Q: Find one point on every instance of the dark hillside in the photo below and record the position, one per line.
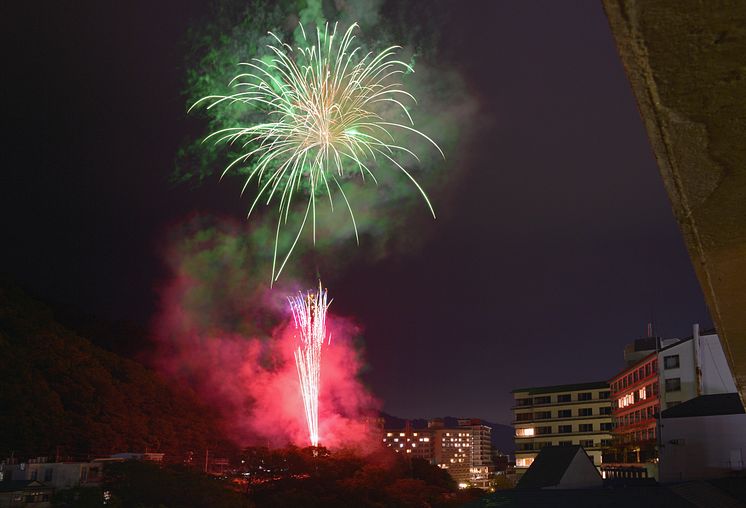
(57, 389)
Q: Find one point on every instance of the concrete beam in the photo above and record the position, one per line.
(686, 62)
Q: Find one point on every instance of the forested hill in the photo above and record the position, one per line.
(57, 389)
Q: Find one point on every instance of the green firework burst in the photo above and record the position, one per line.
(324, 110)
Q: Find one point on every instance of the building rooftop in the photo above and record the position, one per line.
(707, 405)
(18, 485)
(647, 496)
(548, 467)
(551, 465)
(564, 388)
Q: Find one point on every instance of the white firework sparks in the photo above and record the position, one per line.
(323, 107)
(309, 315)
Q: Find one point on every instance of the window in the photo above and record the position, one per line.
(524, 417)
(606, 426)
(585, 411)
(671, 362)
(634, 377)
(673, 384)
(524, 447)
(524, 432)
(564, 413)
(604, 410)
(585, 396)
(585, 427)
(647, 370)
(586, 443)
(524, 462)
(641, 373)
(566, 397)
(544, 430)
(543, 415)
(565, 443)
(543, 444)
(606, 442)
(48, 474)
(523, 402)
(655, 365)
(543, 400)
(604, 395)
(564, 429)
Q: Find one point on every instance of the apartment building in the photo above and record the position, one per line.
(464, 450)
(660, 374)
(416, 443)
(563, 415)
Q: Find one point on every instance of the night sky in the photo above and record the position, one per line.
(557, 245)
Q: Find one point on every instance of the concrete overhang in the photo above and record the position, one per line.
(686, 62)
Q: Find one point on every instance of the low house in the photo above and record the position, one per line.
(561, 467)
(703, 438)
(26, 493)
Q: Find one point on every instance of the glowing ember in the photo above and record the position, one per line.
(309, 314)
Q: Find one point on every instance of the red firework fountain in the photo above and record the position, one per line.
(309, 315)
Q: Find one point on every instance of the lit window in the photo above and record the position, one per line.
(524, 432)
(401, 434)
(426, 439)
(524, 462)
(389, 434)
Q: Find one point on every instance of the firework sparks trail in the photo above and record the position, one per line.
(309, 315)
(322, 105)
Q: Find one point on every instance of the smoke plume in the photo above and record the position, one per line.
(230, 340)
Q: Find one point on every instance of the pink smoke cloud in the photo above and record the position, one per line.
(231, 339)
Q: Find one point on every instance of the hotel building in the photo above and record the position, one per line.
(463, 450)
(660, 374)
(564, 415)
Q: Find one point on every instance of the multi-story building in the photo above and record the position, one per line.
(563, 415)
(463, 450)
(635, 391)
(417, 443)
(660, 374)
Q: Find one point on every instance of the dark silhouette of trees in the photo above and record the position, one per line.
(66, 396)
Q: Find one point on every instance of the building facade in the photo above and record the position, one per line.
(660, 374)
(563, 415)
(637, 404)
(704, 437)
(464, 450)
